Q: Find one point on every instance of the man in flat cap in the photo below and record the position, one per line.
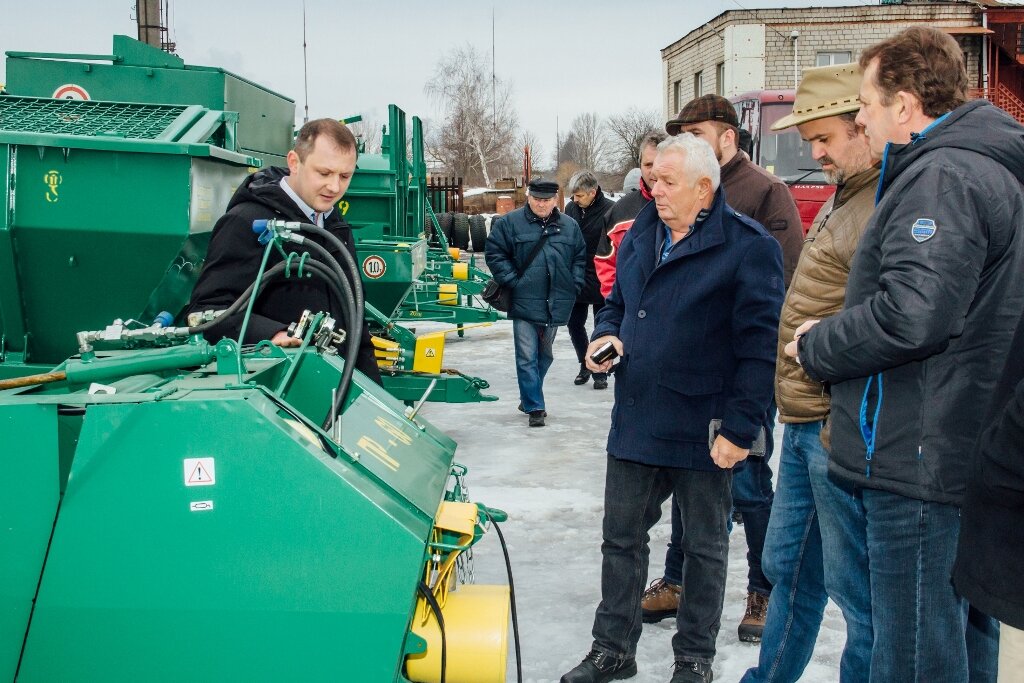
(806, 523)
(753, 191)
(539, 253)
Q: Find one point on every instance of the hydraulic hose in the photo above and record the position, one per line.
(428, 595)
(512, 595)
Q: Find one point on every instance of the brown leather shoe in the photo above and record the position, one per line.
(752, 626)
(660, 601)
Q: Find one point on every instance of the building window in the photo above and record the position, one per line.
(830, 58)
(720, 79)
(677, 95)
(698, 84)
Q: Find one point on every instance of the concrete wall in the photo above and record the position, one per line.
(739, 37)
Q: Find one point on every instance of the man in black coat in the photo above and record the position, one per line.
(990, 557)
(320, 168)
(589, 207)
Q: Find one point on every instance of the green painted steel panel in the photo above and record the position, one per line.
(389, 269)
(304, 568)
(29, 493)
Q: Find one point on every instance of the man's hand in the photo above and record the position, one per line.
(595, 345)
(726, 454)
(282, 338)
(791, 347)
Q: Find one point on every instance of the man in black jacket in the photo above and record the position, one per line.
(935, 291)
(589, 207)
(320, 168)
(990, 558)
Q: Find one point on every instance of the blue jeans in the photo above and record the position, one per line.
(808, 507)
(752, 497)
(533, 358)
(633, 497)
(920, 624)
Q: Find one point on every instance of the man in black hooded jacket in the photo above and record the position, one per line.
(935, 291)
(320, 168)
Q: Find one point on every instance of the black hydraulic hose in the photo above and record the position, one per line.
(428, 595)
(512, 596)
(353, 325)
(355, 329)
(335, 280)
(239, 302)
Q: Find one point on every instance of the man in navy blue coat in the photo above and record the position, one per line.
(544, 289)
(694, 317)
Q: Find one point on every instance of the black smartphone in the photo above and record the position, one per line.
(604, 353)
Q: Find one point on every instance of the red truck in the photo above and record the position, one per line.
(783, 153)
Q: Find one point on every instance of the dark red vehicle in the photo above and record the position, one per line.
(783, 153)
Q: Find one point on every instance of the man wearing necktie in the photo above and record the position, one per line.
(320, 168)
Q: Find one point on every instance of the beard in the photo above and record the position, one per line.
(837, 176)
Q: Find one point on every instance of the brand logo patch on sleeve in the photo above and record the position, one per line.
(923, 229)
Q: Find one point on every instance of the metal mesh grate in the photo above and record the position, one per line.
(77, 117)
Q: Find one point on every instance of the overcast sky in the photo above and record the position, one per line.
(562, 58)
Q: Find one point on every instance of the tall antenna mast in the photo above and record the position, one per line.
(494, 79)
(305, 71)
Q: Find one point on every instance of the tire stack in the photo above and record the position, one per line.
(460, 231)
(478, 232)
(445, 221)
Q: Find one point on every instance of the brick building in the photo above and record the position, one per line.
(767, 49)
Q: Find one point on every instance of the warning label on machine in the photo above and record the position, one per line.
(200, 472)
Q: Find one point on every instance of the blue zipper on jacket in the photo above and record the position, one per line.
(869, 432)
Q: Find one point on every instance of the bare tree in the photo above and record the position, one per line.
(585, 144)
(369, 131)
(625, 133)
(478, 128)
(529, 139)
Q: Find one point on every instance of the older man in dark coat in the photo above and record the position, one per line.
(539, 253)
(693, 314)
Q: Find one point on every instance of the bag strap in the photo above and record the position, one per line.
(533, 254)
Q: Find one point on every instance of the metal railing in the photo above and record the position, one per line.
(1002, 97)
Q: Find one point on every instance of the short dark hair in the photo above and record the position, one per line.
(336, 131)
(850, 119)
(923, 61)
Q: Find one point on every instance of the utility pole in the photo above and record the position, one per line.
(305, 70)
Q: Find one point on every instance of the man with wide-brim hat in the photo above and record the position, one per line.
(753, 191)
(811, 512)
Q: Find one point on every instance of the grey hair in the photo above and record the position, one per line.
(582, 181)
(653, 139)
(700, 158)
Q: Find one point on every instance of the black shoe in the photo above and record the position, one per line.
(521, 409)
(692, 672)
(600, 381)
(583, 376)
(737, 517)
(601, 667)
(537, 418)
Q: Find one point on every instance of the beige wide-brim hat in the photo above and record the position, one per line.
(824, 91)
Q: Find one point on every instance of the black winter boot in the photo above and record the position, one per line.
(583, 376)
(692, 672)
(601, 667)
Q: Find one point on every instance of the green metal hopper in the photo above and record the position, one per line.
(107, 207)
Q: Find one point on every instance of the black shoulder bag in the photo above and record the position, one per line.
(500, 296)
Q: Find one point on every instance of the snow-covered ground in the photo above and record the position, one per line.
(551, 481)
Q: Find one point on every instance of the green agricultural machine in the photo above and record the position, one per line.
(403, 276)
(175, 510)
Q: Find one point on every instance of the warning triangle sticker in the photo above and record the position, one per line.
(200, 472)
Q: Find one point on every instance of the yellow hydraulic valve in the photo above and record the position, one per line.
(386, 351)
